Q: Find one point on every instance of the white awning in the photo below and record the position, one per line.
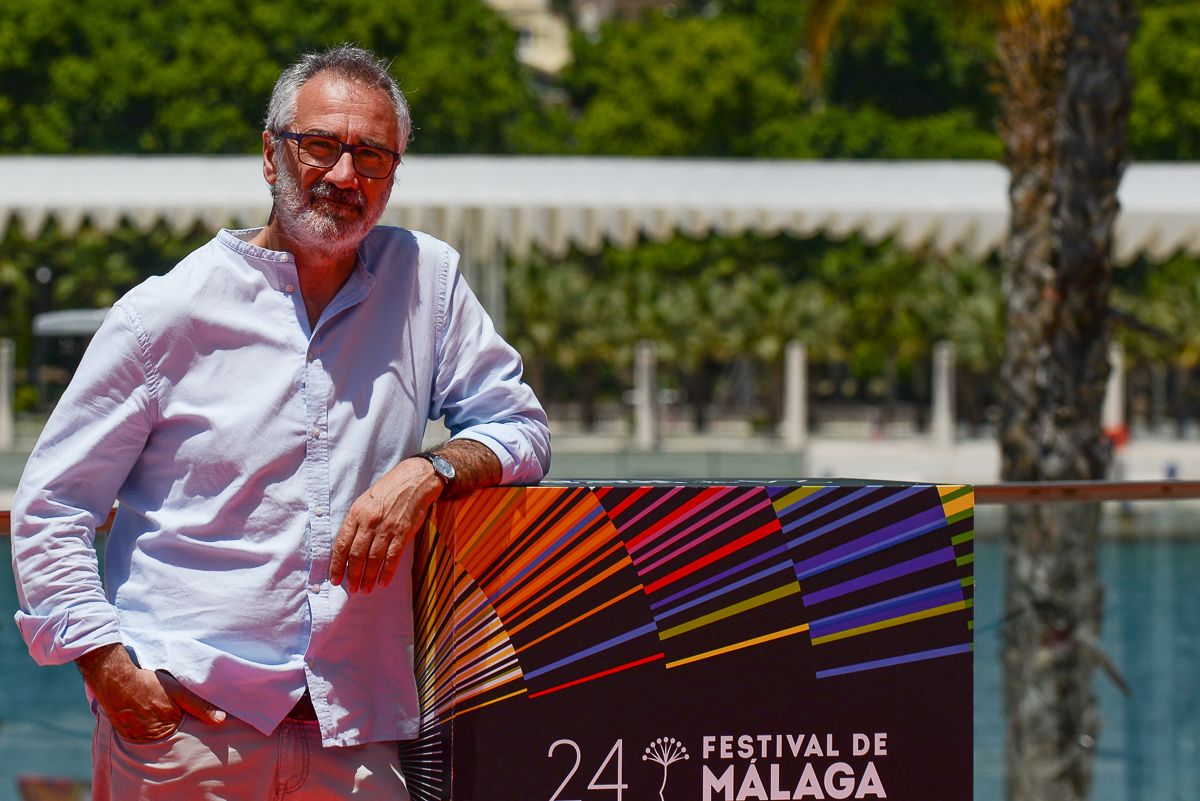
(486, 205)
(69, 322)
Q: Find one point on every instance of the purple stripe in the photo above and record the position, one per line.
(899, 599)
(726, 589)
(725, 524)
(647, 511)
(922, 523)
(827, 508)
(595, 649)
(855, 515)
(724, 574)
(807, 499)
(919, 656)
(918, 564)
(672, 525)
(875, 614)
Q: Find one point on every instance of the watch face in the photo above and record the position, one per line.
(443, 467)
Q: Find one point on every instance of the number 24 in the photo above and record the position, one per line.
(617, 752)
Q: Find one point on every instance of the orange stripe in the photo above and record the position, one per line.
(573, 576)
(584, 616)
(566, 568)
(489, 703)
(519, 594)
(574, 594)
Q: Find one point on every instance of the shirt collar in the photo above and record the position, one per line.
(238, 239)
(280, 266)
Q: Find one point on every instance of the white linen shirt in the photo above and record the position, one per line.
(235, 440)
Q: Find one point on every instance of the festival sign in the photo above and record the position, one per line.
(696, 642)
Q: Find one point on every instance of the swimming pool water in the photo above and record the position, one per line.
(1149, 748)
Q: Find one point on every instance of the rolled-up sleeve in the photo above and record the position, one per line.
(478, 385)
(90, 443)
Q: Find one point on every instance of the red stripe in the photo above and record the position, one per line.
(704, 498)
(623, 505)
(600, 675)
(720, 553)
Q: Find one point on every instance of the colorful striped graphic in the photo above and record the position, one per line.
(529, 593)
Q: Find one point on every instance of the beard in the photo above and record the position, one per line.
(329, 221)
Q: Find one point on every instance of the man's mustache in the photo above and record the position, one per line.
(327, 191)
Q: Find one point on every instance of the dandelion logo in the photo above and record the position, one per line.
(666, 751)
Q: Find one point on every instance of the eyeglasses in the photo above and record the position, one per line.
(324, 151)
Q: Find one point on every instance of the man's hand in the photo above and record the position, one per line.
(141, 705)
(367, 550)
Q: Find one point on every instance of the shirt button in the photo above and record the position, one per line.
(315, 589)
(319, 511)
(316, 433)
(289, 289)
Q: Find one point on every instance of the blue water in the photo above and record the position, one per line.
(1149, 749)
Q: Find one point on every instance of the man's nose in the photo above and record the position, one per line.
(342, 173)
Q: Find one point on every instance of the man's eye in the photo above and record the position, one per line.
(371, 156)
(322, 148)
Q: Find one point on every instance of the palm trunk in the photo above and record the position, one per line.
(1066, 88)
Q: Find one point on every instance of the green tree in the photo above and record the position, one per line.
(728, 86)
(686, 87)
(1065, 89)
(1165, 61)
(136, 77)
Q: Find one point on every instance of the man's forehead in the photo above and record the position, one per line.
(328, 93)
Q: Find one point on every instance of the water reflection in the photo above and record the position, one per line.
(1149, 747)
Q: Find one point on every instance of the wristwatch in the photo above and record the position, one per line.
(441, 466)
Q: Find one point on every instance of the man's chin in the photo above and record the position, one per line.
(342, 211)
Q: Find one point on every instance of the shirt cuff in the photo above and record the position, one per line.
(66, 636)
(520, 461)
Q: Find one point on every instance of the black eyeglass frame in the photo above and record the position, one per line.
(345, 148)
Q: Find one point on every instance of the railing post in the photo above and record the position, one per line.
(942, 425)
(7, 391)
(645, 390)
(795, 396)
(1113, 415)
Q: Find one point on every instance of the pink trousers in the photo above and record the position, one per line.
(235, 762)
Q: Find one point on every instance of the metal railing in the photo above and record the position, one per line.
(1002, 494)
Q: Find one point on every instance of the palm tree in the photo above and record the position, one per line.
(1065, 87)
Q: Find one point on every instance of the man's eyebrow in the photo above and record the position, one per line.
(365, 141)
(375, 143)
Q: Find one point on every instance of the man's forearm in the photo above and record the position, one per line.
(106, 663)
(475, 465)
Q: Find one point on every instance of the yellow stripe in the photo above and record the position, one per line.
(957, 606)
(960, 504)
(948, 489)
(730, 611)
(784, 501)
(521, 691)
(803, 627)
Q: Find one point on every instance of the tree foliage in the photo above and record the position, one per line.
(662, 87)
(139, 77)
(712, 303)
(1165, 60)
(906, 79)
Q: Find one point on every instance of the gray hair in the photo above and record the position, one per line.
(346, 61)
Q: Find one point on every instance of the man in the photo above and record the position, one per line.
(258, 414)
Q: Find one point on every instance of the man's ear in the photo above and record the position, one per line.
(270, 168)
